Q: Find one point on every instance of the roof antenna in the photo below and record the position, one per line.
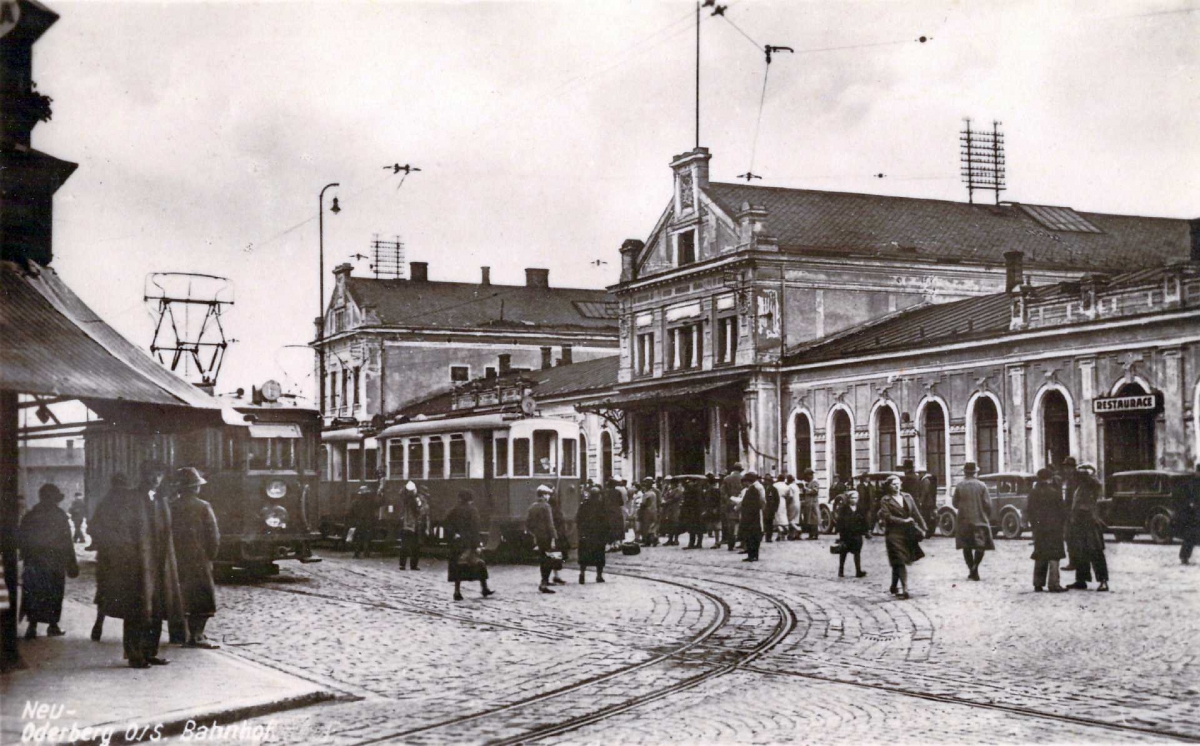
(748, 176)
(982, 156)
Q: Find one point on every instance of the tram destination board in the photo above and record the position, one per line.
(1119, 404)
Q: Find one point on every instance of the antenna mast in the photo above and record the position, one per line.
(387, 258)
(697, 74)
(982, 157)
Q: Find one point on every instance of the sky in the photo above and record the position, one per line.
(204, 131)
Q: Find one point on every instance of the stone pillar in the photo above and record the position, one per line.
(663, 464)
(1172, 452)
(712, 458)
(1089, 451)
(1018, 450)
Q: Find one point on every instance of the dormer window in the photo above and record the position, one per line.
(685, 248)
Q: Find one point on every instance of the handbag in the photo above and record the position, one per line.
(837, 548)
(554, 560)
(470, 559)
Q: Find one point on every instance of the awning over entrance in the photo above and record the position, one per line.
(53, 344)
(667, 393)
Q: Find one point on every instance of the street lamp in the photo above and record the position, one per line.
(321, 289)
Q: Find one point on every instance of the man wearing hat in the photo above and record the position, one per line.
(750, 517)
(974, 533)
(923, 489)
(1069, 480)
(363, 515)
(413, 512)
(1048, 518)
(44, 538)
(731, 488)
(197, 539)
(539, 521)
(1085, 530)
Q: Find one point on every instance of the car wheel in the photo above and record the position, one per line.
(824, 520)
(1010, 525)
(1160, 528)
(947, 522)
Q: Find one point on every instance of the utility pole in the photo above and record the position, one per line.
(697, 74)
(321, 290)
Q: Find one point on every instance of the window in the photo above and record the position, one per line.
(885, 438)
(543, 451)
(520, 457)
(416, 459)
(685, 247)
(803, 445)
(345, 384)
(583, 458)
(395, 459)
(458, 456)
(726, 339)
(370, 463)
(606, 455)
(260, 452)
(281, 453)
(460, 373)
(643, 363)
(501, 457)
(843, 445)
(323, 465)
(569, 454)
(437, 458)
(357, 381)
(354, 463)
(333, 390)
(987, 440)
(935, 442)
(684, 347)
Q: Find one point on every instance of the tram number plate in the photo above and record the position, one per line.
(1124, 404)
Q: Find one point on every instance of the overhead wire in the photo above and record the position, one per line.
(252, 246)
(762, 99)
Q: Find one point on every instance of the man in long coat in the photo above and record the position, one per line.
(974, 533)
(751, 515)
(1186, 524)
(731, 488)
(1048, 518)
(142, 577)
(1085, 531)
(44, 538)
(539, 522)
(413, 514)
(614, 509)
(197, 540)
(591, 521)
(648, 514)
(691, 512)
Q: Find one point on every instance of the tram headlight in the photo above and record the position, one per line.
(276, 489)
(275, 516)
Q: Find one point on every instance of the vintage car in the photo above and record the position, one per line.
(1010, 493)
(1141, 502)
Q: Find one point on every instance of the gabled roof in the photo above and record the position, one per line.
(52, 343)
(564, 380)
(925, 229)
(461, 305)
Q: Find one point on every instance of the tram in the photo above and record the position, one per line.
(500, 458)
(260, 465)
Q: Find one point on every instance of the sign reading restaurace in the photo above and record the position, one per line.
(1124, 404)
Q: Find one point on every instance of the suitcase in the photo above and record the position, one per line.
(631, 548)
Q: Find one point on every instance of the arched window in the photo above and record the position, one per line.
(1129, 436)
(987, 436)
(843, 445)
(885, 438)
(934, 436)
(1056, 428)
(583, 456)
(606, 455)
(803, 445)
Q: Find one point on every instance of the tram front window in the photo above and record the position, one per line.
(520, 448)
(568, 457)
(544, 451)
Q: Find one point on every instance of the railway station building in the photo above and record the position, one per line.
(742, 293)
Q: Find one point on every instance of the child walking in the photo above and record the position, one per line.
(852, 526)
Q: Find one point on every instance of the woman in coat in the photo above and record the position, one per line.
(462, 534)
(1085, 531)
(614, 509)
(903, 527)
(99, 535)
(49, 554)
(592, 523)
(194, 526)
(648, 514)
(1048, 518)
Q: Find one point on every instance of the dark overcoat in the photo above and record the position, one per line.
(539, 521)
(462, 533)
(1186, 523)
(754, 502)
(1048, 518)
(903, 546)
(1085, 532)
(614, 509)
(141, 574)
(691, 509)
(45, 541)
(973, 503)
(197, 540)
(591, 521)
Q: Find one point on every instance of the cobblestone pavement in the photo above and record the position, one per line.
(696, 646)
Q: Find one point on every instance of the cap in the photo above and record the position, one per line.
(1045, 474)
(544, 489)
(365, 490)
(410, 486)
(737, 466)
(189, 476)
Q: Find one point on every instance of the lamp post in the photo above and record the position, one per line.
(321, 289)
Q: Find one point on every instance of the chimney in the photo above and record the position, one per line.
(485, 275)
(505, 363)
(418, 271)
(629, 253)
(343, 269)
(547, 358)
(567, 355)
(750, 220)
(537, 278)
(1014, 269)
(695, 161)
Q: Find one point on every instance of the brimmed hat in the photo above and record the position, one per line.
(410, 486)
(737, 465)
(1069, 461)
(970, 467)
(365, 490)
(749, 476)
(189, 476)
(544, 489)
(50, 491)
(1089, 468)
(908, 464)
(808, 472)
(1045, 474)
